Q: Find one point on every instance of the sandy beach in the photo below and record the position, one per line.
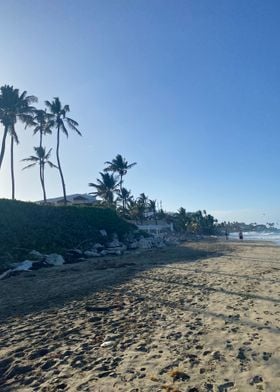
(201, 317)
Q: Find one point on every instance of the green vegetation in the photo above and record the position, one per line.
(28, 226)
(111, 185)
(198, 222)
(111, 193)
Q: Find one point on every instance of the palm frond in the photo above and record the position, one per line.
(131, 165)
(28, 166)
(14, 136)
(48, 154)
(52, 165)
(36, 129)
(64, 130)
(27, 119)
(73, 125)
(72, 122)
(31, 99)
(48, 104)
(32, 158)
(23, 95)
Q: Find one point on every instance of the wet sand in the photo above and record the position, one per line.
(200, 317)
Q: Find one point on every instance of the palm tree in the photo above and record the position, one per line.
(137, 210)
(125, 197)
(120, 166)
(13, 107)
(182, 212)
(153, 208)
(42, 123)
(181, 219)
(41, 158)
(61, 121)
(143, 199)
(105, 188)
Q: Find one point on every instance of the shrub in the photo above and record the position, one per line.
(27, 226)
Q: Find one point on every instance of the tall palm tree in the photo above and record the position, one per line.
(61, 122)
(41, 158)
(42, 124)
(120, 166)
(13, 107)
(125, 197)
(105, 188)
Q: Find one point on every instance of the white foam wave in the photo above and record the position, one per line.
(258, 236)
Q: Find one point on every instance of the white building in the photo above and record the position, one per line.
(75, 199)
(153, 228)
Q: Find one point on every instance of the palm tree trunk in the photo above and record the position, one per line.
(121, 182)
(42, 178)
(40, 163)
(59, 165)
(41, 139)
(2, 153)
(12, 168)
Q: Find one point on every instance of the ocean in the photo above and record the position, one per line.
(255, 236)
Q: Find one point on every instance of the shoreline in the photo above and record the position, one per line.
(257, 236)
(203, 316)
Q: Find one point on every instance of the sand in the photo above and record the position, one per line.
(200, 317)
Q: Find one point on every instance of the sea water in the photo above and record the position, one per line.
(258, 236)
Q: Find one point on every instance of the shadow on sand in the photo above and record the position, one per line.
(37, 291)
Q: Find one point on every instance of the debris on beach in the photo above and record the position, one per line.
(110, 248)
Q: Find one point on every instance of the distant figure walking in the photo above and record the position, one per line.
(240, 235)
(226, 234)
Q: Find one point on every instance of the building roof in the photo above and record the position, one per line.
(76, 197)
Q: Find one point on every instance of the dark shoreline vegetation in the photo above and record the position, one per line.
(26, 226)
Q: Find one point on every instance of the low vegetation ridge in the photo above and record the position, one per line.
(25, 226)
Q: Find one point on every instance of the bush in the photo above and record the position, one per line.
(27, 226)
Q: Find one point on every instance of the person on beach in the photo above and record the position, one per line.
(226, 234)
(240, 235)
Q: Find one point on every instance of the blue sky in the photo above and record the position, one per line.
(190, 90)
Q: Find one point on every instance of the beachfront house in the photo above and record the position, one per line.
(75, 199)
(161, 227)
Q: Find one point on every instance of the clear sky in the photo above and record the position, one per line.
(189, 89)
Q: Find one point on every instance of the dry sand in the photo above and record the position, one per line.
(200, 317)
